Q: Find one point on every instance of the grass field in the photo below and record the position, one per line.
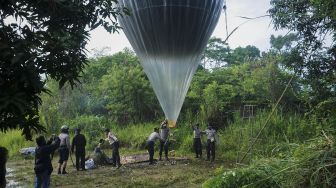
(187, 172)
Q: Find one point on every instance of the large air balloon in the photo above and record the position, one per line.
(169, 37)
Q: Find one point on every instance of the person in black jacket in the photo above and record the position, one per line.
(79, 143)
(43, 166)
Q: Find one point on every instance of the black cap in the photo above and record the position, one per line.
(107, 130)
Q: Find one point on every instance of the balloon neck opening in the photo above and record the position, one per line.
(171, 123)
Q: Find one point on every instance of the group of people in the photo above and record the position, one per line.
(45, 149)
(162, 135)
(210, 132)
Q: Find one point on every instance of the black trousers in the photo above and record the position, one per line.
(150, 148)
(164, 146)
(115, 153)
(198, 147)
(80, 160)
(211, 150)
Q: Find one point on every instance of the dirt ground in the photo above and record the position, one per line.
(178, 172)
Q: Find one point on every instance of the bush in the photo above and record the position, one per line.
(14, 141)
(311, 164)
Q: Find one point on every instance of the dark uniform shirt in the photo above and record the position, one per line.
(79, 142)
(42, 157)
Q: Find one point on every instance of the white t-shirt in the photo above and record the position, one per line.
(211, 134)
(111, 138)
(65, 140)
(154, 136)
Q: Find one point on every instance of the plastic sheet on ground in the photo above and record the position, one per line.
(89, 164)
(27, 151)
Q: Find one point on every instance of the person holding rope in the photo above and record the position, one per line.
(211, 143)
(164, 143)
(150, 144)
(114, 142)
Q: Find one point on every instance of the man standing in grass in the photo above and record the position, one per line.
(64, 149)
(150, 144)
(197, 141)
(164, 143)
(211, 140)
(113, 140)
(43, 166)
(79, 143)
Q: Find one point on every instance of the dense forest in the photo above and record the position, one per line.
(115, 89)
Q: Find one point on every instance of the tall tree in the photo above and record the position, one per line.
(283, 43)
(244, 54)
(314, 56)
(216, 53)
(41, 39)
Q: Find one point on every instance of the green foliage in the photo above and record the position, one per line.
(311, 164)
(223, 91)
(313, 57)
(114, 88)
(134, 137)
(44, 38)
(13, 142)
(218, 54)
(126, 90)
(248, 53)
(281, 43)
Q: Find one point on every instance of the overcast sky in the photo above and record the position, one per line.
(256, 32)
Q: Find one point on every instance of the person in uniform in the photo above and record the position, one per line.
(78, 145)
(211, 143)
(164, 143)
(150, 144)
(64, 149)
(114, 143)
(197, 140)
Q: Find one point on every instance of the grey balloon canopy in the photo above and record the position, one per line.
(169, 37)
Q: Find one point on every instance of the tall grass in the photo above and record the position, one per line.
(310, 164)
(234, 140)
(14, 141)
(238, 137)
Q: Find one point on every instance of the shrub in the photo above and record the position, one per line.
(14, 141)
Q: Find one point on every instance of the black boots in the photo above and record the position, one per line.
(160, 158)
(63, 171)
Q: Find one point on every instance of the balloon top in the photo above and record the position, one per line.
(169, 37)
(170, 27)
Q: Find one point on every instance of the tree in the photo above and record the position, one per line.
(216, 53)
(241, 55)
(39, 40)
(126, 91)
(314, 56)
(281, 43)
